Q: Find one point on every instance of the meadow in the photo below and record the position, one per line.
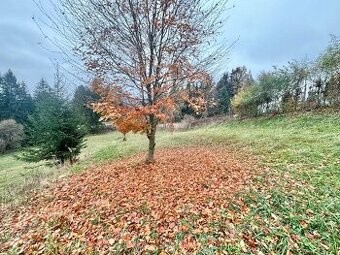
(292, 207)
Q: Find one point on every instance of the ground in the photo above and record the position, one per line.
(265, 186)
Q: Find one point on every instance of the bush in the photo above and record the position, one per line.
(2, 146)
(244, 103)
(11, 135)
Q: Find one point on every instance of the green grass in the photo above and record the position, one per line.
(297, 207)
(18, 177)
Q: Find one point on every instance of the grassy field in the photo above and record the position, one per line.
(295, 209)
(18, 177)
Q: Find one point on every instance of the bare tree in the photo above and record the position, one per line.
(143, 53)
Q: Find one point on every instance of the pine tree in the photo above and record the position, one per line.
(42, 91)
(54, 130)
(223, 94)
(15, 101)
(83, 96)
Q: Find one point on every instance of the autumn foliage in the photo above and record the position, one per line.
(121, 109)
(121, 208)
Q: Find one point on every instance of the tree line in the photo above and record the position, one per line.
(49, 123)
(301, 85)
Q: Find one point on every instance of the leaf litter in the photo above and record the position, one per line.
(177, 205)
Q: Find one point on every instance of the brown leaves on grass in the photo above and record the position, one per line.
(128, 206)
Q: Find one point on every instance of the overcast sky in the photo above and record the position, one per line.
(270, 32)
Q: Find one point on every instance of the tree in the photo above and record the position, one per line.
(82, 99)
(42, 91)
(229, 85)
(11, 135)
(199, 99)
(239, 77)
(329, 63)
(126, 122)
(266, 95)
(270, 86)
(144, 52)
(15, 102)
(223, 95)
(25, 104)
(54, 131)
(299, 72)
(245, 103)
(59, 83)
(329, 60)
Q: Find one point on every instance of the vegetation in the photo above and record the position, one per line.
(228, 86)
(83, 98)
(54, 130)
(142, 54)
(11, 135)
(15, 101)
(17, 177)
(290, 208)
(300, 86)
(48, 121)
(268, 185)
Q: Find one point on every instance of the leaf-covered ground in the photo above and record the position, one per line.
(177, 205)
(293, 208)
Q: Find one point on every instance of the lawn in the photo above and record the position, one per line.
(292, 206)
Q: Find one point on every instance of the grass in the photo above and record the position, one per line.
(18, 177)
(295, 208)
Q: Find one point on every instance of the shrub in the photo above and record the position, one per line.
(244, 102)
(2, 146)
(11, 135)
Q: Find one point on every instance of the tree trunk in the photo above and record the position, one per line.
(304, 94)
(152, 142)
(124, 137)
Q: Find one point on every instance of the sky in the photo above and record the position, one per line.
(267, 33)
(21, 43)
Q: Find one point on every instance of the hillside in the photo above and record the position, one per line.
(262, 186)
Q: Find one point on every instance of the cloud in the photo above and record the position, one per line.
(22, 44)
(270, 32)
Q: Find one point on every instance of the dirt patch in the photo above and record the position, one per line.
(130, 207)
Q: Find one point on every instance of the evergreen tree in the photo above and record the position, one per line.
(54, 130)
(25, 103)
(15, 101)
(42, 92)
(223, 94)
(59, 83)
(83, 96)
(228, 86)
